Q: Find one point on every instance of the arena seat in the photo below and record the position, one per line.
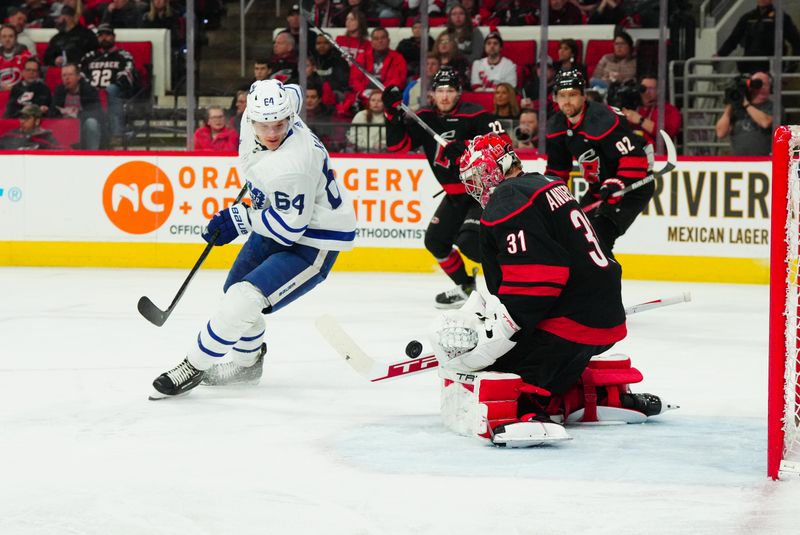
(484, 99)
(520, 52)
(389, 22)
(433, 22)
(40, 49)
(596, 49)
(52, 77)
(4, 96)
(142, 52)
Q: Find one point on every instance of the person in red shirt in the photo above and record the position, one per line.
(386, 64)
(12, 57)
(215, 136)
(354, 41)
(645, 118)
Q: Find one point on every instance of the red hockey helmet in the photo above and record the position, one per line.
(484, 165)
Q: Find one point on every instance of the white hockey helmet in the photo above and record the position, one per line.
(268, 101)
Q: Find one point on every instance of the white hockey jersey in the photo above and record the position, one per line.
(294, 193)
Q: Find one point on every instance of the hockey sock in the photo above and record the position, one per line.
(453, 265)
(239, 312)
(246, 350)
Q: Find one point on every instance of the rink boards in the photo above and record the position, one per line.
(709, 219)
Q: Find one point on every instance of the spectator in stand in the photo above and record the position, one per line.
(512, 13)
(447, 53)
(526, 134)
(30, 135)
(354, 40)
(564, 12)
(321, 120)
(567, 57)
(493, 68)
(411, 48)
(111, 69)
(71, 43)
(37, 11)
(313, 78)
(293, 26)
(161, 15)
(386, 64)
(283, 63)
(12, 57)
(30, 90)
(755, 33)
(316, 110)
(530, 89)
(645, 118)
(384, 9)
(618, 66)
(468, 38)
(368, 133)
(322, 13)
(505, 102)
(77, 5)
(608, 12)
(331, 67)
(473, 10)
(749, 121)
(18, 19)
(411, 94)
(240, 103)
(75, 98)
(215, 136)
(122, 14)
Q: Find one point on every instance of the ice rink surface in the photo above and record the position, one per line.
(315, 449)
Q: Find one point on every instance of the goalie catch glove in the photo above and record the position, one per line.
(491, 331)
(230, 223)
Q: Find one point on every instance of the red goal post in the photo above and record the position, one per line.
(783, 413)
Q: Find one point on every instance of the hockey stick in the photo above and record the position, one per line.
(371, 77)
(375, 371)
(155, 315)
(672, 158)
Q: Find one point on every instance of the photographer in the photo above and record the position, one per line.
(526, 134)
(643, 116)
(748, 116)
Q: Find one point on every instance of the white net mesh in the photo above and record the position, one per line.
(791, 416)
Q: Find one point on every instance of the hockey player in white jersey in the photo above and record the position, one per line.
(296, 226)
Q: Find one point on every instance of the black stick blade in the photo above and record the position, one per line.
(151, 312)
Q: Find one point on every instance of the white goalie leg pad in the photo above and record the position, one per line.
(239, 311)
(246, 350)
(472, 403)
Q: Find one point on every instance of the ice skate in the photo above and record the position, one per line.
(231, 373)
(177, 381)
(456, 296)
(647, 404)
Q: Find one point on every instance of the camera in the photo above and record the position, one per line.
(739, 89)
(522, 134)
(625, 95)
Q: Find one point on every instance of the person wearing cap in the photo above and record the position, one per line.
(453, 230)
(493, 69)
(122, 14)
(71, 43)
(293, 25)
(29, 90)
(111, 69)
(30, 135)
(610, 155)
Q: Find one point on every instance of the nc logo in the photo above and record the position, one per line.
(137, 197)
(130, 192)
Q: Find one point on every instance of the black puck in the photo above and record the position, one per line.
(414, 349)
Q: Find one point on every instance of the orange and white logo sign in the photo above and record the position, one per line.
(138, 197)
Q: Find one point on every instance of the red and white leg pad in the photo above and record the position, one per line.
(478, 403)
(611, 376)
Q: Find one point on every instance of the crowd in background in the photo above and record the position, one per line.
(342, 105)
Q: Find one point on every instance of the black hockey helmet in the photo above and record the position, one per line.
(447, 76)
(569, 79)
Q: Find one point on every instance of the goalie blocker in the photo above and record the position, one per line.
(487, 404)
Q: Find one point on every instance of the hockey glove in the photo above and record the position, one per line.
(453, 151)
(494, 339)
(609, 188)
(392, 98)
(230, 223)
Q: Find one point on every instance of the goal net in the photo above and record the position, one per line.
(783, 458)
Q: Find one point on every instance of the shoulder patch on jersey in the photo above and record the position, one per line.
(599, 120)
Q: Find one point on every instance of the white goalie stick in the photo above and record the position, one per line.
(375, 370)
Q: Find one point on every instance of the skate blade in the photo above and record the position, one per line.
(155, 395)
